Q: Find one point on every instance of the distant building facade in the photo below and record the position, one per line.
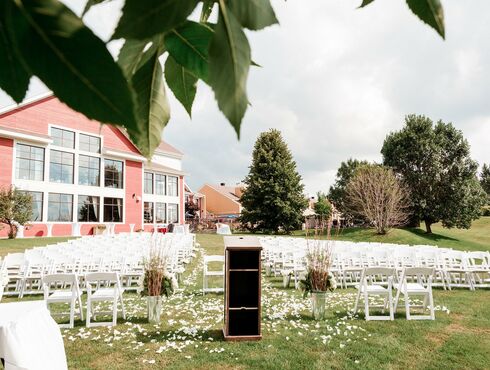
(221, 201)
(81, 173)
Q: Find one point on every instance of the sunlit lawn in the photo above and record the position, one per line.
(189, 336)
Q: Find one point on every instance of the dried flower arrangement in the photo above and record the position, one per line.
(156, 280)
(318, 260)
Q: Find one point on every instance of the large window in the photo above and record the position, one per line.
(60, 207)
(29, 162)
(63, 138)
(148, 213)
(113, 174)
(148, 188)
(37, 205)
(88, 208)
(113, 210)
(159, 184)
(89, 143)
(61, 167)
(88, 170)
(173, 213)
(160, 213)
(172, 186)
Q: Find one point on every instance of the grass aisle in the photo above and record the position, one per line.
(189, 336)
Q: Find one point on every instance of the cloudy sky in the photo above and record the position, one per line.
(335, 80)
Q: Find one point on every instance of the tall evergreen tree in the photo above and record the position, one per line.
(434, 162)
(485, 180)
(273, 197)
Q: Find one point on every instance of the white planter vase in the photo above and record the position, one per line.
(154, 309)
(318, 305)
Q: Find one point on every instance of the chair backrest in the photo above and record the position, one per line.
(418, 271)
(213, 258)
(102, 276)
(60, 278)
(384, 271)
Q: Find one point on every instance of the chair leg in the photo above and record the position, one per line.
(114, 312)
(366, 306)
(390, 302)
(80, 307)
(407, 306)
(397, 297)
(87, 322)
(357, 302)
(431, 303)
(72, 313)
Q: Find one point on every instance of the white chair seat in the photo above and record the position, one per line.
(415, 287)
(60, 296)
(373, 289)
(104, 293)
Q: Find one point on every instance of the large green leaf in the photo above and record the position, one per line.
(189, 45)
(153, 109)
(365, 2)
(253, 14)
(181, 82)
(14, 78)
(430, 12)
(70, 60)
(229, 57)
(91, 3)
(143, 19)
(207, 9)
(132, 52)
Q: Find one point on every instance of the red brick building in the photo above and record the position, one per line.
(81, 173)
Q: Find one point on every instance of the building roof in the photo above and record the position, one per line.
(228, 191)
(167, 148)
(164, 147)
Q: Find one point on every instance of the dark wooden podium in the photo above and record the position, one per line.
(242, 288)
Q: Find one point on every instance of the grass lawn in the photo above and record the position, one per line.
(19, 245)
(189, 336)
(476, 238)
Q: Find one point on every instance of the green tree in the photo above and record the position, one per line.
(434, 162)
(44, 38)
(273, 197)
(322, 207)
(15, 209)
(485, 180)
(337, 192)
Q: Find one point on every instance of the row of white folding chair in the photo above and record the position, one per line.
(100, 287)
(380, 281)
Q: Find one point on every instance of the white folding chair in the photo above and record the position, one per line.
(376, 281)
(479, 268)
(107, 289)
(212, 273)
(63, 288)
(416, 281)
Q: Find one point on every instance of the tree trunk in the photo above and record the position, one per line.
(428, 229)
(12, 232)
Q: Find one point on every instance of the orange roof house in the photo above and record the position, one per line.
(222, 200)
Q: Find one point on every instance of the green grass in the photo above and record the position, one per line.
(291, 339)
(476, 238)
(19, 245)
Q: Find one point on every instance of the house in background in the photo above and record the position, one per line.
(81, 173)
(221, 201)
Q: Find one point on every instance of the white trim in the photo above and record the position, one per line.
(25, 102)
(27, 137)
(123, 155)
